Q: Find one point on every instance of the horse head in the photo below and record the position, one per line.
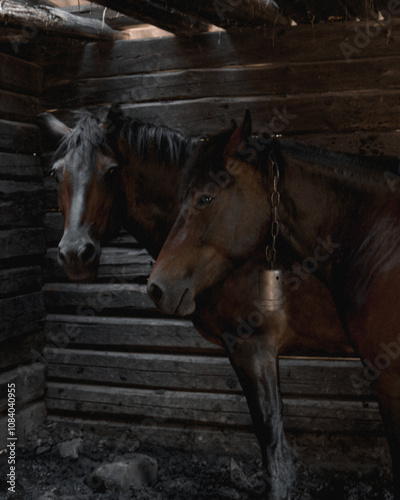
(215, 229)
(88, 176)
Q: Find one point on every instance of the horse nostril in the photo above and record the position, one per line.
(155, 292)
(87, 253)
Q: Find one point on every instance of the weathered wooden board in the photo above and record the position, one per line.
(17, 280)
(21, 203)
(27, 421)
(24, 349)
(29, 385)
(90, 299)
(318, 43)
(50, 186)
(213, 409)
(153, 371)
(133, 334)
(53, 226)
(301, 378)
(20, 76)
(19, 137)
(18, 107)
(22, 242)
(21, 315)
(20, 167)
(370, 143)
(126, 263)
(266, 79)
(329, 112)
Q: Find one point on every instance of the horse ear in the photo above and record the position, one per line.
(114, 120)
(239, 137)
(53, 126)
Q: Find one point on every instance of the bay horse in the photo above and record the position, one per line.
(339, 213)
(118, 172)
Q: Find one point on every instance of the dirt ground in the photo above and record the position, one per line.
(43, 474)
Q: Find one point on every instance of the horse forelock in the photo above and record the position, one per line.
(84, 139)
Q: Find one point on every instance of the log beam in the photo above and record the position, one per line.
(163, 16)
(230, 14)
(48, 19)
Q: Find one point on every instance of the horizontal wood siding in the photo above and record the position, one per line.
(22, 245)
(110, 356)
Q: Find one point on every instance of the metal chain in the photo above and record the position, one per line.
(275, 200)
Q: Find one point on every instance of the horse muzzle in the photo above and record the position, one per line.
(79, 258)
(171, 300)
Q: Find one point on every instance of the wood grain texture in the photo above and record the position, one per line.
(21, 203)
(21, 315)
(213, 409)
(126, 333)
(320, 43)
(309, 378)
(20, 76)
(20, 167)
(16, 137)
(264, 79)
(22, 242)
(17, 280)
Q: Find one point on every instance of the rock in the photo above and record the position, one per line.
(43, 449)
(70, 449)
(238, 477)
(136, 472)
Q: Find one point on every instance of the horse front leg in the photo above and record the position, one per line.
(255, 363)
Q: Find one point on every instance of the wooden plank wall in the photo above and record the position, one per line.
(22, 245)
(110, 356)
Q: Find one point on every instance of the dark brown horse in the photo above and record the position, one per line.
(338, 212)
(128, 174)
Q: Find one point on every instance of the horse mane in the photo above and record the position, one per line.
(362, 170)
(170, 146)
(207, 160)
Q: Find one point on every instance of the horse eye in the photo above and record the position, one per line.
(204, 201)
(111, 170)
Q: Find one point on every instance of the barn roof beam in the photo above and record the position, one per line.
(49, 19)
(229, 14)
(159, 14)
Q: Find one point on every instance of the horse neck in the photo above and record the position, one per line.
(151, 193)
(325, 206)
